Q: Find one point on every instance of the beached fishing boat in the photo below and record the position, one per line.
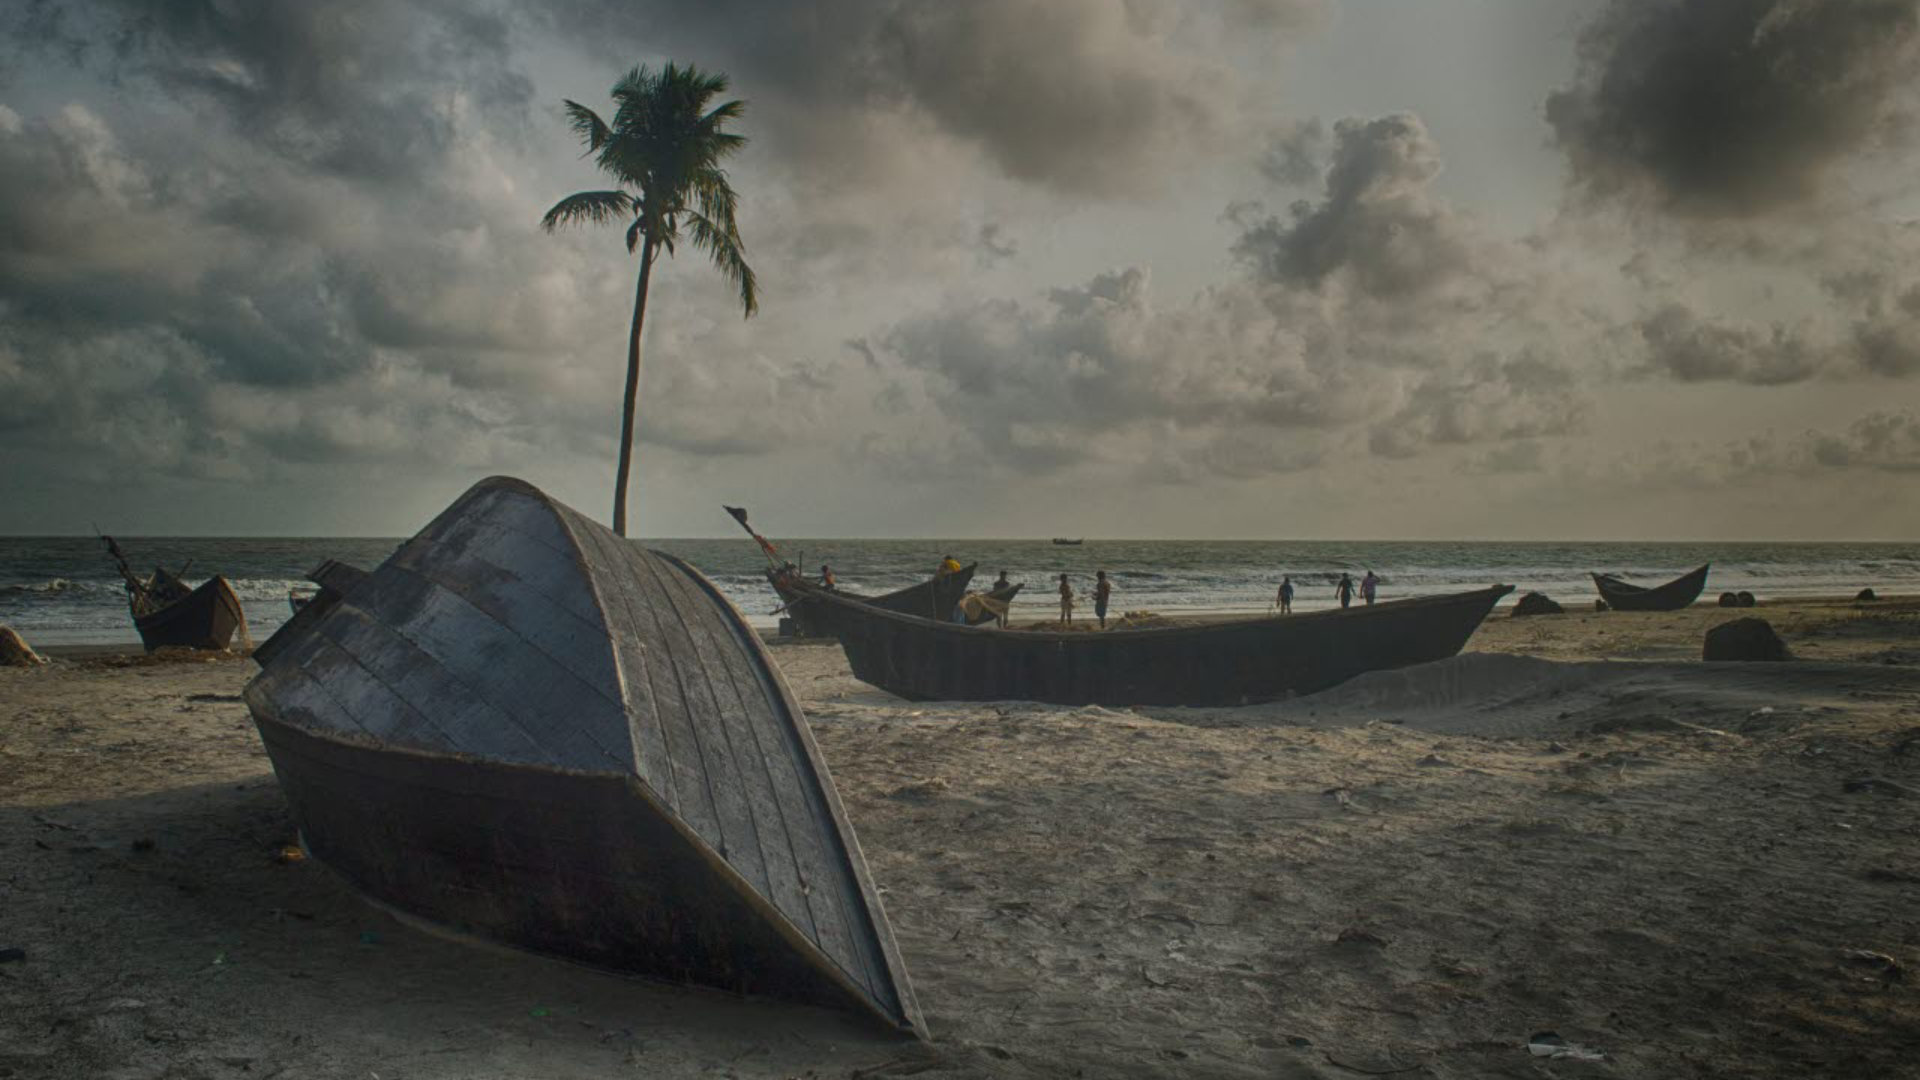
(1672, 596)
(527, 729)
(1227, 663)
(933, 598)
(170, 614)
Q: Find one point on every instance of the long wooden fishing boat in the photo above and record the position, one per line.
(1227, 663)
(933, 598)
(1672, 596)
(527, 729)
(169, 614)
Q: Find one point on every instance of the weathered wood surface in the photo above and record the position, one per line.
(1672, 596)
(617, 743)
(1219, 664)
(933, 598)
(205, 618)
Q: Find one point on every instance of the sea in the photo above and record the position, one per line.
(65, 591)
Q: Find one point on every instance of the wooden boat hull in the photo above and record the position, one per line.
(1232, 663)
(584, 867)
(933, 599)
(1673, 596)
(527, 729)
(206, 618)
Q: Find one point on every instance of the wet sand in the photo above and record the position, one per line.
(1577, 828)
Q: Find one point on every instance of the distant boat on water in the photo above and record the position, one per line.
(526, 728)
(1058, 542)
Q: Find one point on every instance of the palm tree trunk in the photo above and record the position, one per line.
(633, 390)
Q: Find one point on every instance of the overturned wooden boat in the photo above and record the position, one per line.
(1226, 663)
(1672, 596)
(933, 598)
(525, 728)
(170, 614)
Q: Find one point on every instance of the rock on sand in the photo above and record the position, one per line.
(1537, 604)
(1745, 639)
(14, 650)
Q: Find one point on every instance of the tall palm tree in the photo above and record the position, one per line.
(663, 151)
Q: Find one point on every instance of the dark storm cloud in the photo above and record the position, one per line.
(1733, 108)
(1377, 317)
(1377, 226)
(1488, 400)
(1080, 95)
(355, 87)
(1883, 441)
(1683, 345)
(1098, 371)
(275, 240)
(1294, 157)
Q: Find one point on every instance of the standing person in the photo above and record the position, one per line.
(1344, 590)
(1066, 601)
(1286, 594)
(1102, 592)
(1001, 586)
(1368, 586)
(827, 580)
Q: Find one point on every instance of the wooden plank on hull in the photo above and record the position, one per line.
(808, 797)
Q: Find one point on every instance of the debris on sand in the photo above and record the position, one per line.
(1886, 966)
(1550, 1045)
(1879, 786)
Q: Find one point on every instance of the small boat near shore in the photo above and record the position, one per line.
(170, 614)
(527, 729)
(1674, 595)
(1226, 663)
(932, 599)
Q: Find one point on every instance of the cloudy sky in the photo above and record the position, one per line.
(1243, 268)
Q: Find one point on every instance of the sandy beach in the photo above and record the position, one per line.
(1678, 869)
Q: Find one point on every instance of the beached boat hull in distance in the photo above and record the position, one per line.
(205, 618)
(1674, 595)
(1229, 663)
(527, 729)
(933, 598)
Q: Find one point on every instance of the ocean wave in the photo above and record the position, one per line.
(61, 588)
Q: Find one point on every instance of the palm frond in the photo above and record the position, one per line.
(664, 145)
(588, 208)
(722, 244)
(587, 124)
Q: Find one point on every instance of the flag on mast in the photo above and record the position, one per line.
(740, 515)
